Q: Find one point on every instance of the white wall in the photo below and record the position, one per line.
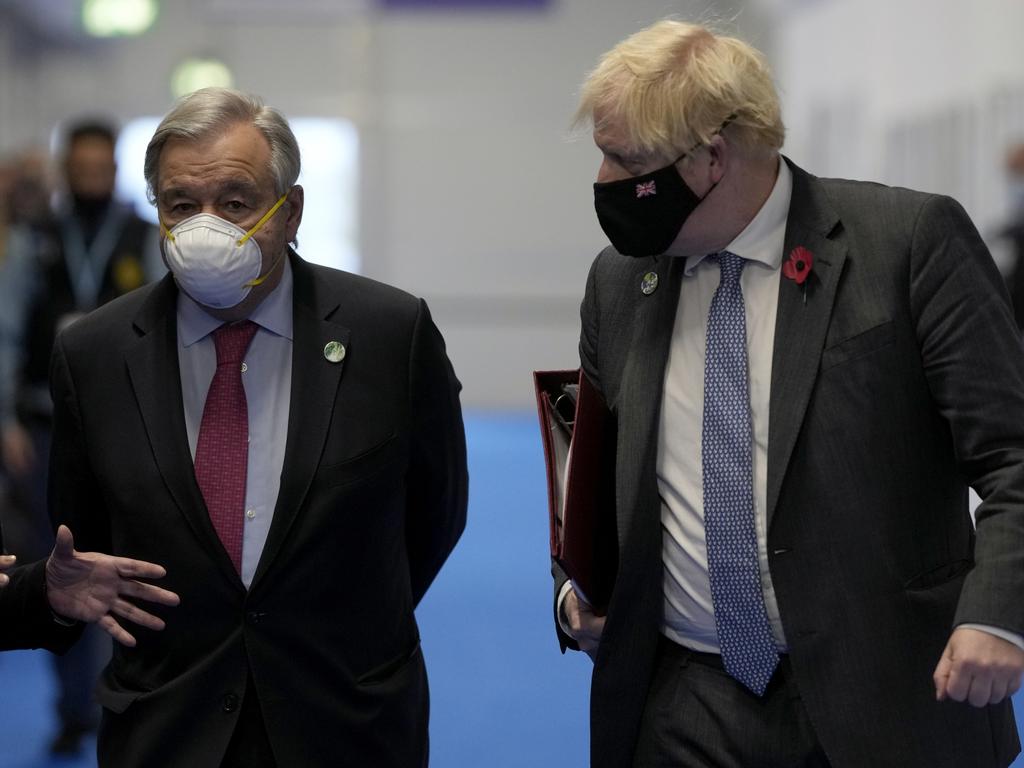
(921, 93)
(472, 194)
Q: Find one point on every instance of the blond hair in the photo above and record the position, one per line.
(673, 85)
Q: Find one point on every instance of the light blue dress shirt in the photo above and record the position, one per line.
(267, 378)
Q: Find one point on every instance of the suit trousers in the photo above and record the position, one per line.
(697, 716)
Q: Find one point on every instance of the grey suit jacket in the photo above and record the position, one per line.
(898, 384)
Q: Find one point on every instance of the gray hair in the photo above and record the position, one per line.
(209, 111)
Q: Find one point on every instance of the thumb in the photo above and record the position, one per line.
(942, 672)
(64, 547)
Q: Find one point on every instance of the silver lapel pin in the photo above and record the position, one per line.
(334, 352)
(649, 284)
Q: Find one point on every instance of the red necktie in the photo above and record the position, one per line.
(222, 452)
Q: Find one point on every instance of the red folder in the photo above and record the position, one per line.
(578, 434)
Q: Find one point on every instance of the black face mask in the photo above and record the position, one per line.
(642, 215)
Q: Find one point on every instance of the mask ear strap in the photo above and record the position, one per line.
(264, 220)
(164, 230)
(257, 280)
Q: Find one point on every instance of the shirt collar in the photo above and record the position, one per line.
(763, 239)
(274, 313)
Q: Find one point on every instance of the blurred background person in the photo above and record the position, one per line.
(25, 190)
(60, 264)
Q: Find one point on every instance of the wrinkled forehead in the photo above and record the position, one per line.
(238, 156)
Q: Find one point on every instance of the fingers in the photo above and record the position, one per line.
(998, 690)
(149, 592)
(109, 625)
(136, 615)
(6, 561)
(941, 676)
(978, 668)
(64, 547)
(1014, 685)
(979, 690)
(139, 569)
(586, 628)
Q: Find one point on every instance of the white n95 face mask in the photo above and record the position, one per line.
(214, 261)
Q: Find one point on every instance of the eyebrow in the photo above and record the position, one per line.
(232, 186)
(621, 154)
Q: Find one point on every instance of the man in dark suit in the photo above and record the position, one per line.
(71, 587)
(806, 376)
(287, 440)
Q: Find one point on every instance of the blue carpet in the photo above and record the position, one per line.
(502, 694)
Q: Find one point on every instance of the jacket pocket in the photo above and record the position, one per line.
(935, 577)
(116, 701)
(858, 345)
(362, 465)
(391, 668)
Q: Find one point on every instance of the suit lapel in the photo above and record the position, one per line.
(639, 399)
(314, 389)
(156, 380)
(800, 325)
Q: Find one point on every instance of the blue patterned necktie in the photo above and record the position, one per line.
(744, 634)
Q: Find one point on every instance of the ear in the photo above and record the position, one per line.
(296, 198)
(719, 155)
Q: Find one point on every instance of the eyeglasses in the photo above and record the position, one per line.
(700, 144)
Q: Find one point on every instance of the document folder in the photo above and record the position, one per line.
(578, 434)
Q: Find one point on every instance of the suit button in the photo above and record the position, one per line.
(230, 702)
(255, 617)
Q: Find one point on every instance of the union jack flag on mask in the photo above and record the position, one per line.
(646, 189)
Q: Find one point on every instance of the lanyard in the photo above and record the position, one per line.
(86, 266)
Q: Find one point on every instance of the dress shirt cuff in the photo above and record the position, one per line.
(1010, 637)
(563, 620)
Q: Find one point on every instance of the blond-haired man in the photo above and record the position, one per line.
(806, 375)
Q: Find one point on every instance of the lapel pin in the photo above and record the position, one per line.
(649, 284)
(334, 352)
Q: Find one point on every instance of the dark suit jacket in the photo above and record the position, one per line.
(372, 500)
(25, 618)
(898, 384)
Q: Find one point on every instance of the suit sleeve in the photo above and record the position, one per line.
(73, 495)
(25, 618)
(974, 362)
(438, 480)
(588, 362)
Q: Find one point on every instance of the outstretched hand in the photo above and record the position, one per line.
(93, 587)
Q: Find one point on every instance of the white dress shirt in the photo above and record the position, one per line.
(267, 379)
(689, 618)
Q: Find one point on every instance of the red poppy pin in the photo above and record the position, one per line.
(798, 266)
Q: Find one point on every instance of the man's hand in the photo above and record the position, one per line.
(88, 586)
(979, 668)
(6, 561)
(585, 627)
